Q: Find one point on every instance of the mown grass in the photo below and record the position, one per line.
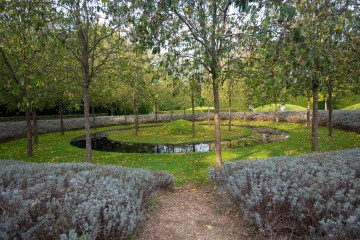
(271, 107)
(176, 132)
(191, 167)
(352, 107)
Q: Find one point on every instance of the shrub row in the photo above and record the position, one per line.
(314, 196)
(73, 201)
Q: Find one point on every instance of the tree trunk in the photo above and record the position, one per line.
(87, 122)
(136, 120)
(61, 110)
(308, 111)
(35, 127)
(193, 113)
(94, 118)
(208, 103)
(245, 113)
(315, 117)
(219, 162)
(126, 122)
(184, 112)
(29, 132)
(171, 117)
(325, 104)
(330, 124)
(84, 40)
(276, 113)
(230, 109)
(156, 112)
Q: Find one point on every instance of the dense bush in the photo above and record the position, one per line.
(315, 195)
(71, 201)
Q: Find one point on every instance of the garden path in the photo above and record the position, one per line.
(193, 212)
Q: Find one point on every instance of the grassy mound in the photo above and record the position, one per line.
(176, 132)
(178, 127)
(352, 107)
(271, 107)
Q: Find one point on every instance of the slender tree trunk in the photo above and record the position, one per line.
(29, 132)
(208, 103)
(245, 107)
(325, 104)
(136, 112)
(308, 111)
(61, 110)
(193, 113)
(94, 118)
(184, 113)
(126, 121)
(230, 103)
(84, 40)
(35, 127)
(219, 162)
(315, 117)
(276, 112)
(330, 124)
(87, 123)
(172, 113)
(156, 112)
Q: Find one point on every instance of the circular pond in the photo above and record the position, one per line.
(101, 142)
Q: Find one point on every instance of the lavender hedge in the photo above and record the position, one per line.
(73, 201)
(315, 195)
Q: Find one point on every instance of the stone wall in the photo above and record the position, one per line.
(347, 120)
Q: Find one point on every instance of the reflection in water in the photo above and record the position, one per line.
(104, 144)
(100, 142)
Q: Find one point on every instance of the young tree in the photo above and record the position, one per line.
(313, 36)
(204, 30)
(24, 28)
(90, 33)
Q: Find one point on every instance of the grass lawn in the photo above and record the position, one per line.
(271, 108)
(192, 167)
(177, 132)
(352, 107)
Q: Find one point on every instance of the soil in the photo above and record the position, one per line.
(193, 212)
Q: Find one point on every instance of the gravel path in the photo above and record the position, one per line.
(193, 212)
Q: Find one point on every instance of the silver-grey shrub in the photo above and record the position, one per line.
(315, 195)
(73, 201)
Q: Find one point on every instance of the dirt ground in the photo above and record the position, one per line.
(193, 212)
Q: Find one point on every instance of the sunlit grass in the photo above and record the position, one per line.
(353, 107)
(271, 107)
(179, 131)
(185, 167)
